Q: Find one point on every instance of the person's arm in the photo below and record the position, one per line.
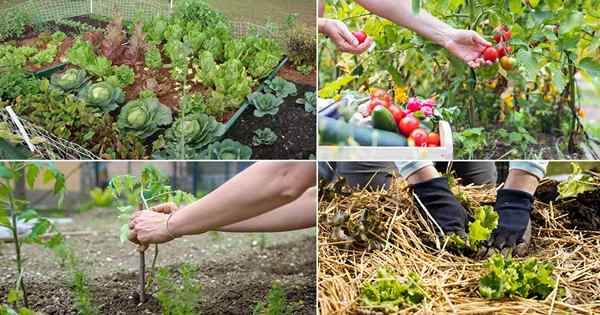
(260, 188)
(296, 215)
(465, 44)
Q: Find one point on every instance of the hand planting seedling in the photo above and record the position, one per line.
(151, 187)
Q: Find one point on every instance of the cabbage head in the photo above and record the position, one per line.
(144, 117)
(71, 80)
(226, 150)
(102, 95)
(196, 130)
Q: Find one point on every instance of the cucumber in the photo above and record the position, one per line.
(383, 119)
(333, 132)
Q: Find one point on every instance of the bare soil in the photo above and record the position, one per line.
(295, 129)
(289, 73)
(235, 272)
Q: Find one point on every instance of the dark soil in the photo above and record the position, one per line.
(289, 73)
(295, 129)
(233, 286)
(583, 211)
(547, 191)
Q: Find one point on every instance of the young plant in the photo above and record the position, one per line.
(102, 95)
(14, 211)
(388, 294)
(153, 58)
(71, 80)
(178, 298)
(264, 136)
(510, 278)
(309, 101)
(101, 197)
(232, 86)
(13, 22)
(226, 150)
(577, 183)
(191, 133)
(276, 302)
(122, 76)
(281, 87)
(150, 188)
(265, 104)
(485, 221)
(144, 117)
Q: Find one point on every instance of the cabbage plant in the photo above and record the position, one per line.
(226, 150)
(102, 95)
(265, 104)
(281, 87)
(71, 80)
(144, 117)
(196, 130)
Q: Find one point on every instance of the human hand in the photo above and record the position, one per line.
(149, 227)
(339, 34)
(167, 208)
(468, 46)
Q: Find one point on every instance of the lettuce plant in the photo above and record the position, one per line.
(265, 104)
(82, 54)
(103, 95)
(264, 62)
(153, 58)
(206, 70)
(71, 80)
(232, 86)
(264, 136)
(281, 87)
(123, 76)
(144, 117)
(389, 294)
(226, 150)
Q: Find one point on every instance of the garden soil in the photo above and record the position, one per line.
(235, 272)
(295, 129)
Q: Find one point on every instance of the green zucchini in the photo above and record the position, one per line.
(334, 132)
(383, 119)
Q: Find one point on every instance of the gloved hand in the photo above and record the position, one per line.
(514, 225)
(436, 196)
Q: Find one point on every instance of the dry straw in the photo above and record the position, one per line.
(451, 281)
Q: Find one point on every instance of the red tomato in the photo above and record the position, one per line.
(490, 54)
(432, 146)
(507, 35)
(420, 137)
(408, 124)
(503, 50)
(375, 102)
(433, 139)
(360, 36)
(397, 113)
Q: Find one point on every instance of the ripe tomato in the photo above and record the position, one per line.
(433, 139)
(497, 37)
(408, 124)
(507, 34)
(360, 36)
(507, 63)
(503, 50)
(420, 137)
(375, 102)
(490, 54)
(397, 113)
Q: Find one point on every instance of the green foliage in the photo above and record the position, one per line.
(82, 54)
(388, 294)
(102, 95)
(199, 11)
(511, 278)
(80, 27)
(153, 58)
(191, 104)
(232, 86)
(275, 304)
(261, 56)
(123, 76)
(301, 47)
(485, 221)
(206, 69)
(577, 183)
(15, 57)
(281, 87)
(190, 134)
(15, 82)
(144, 117)
(264, 136)
(469, 141)
(13, 22)
(305, 69)
(70, 80)
(178, 297)
(309, 101)
(7, 310)
(226, 150)
(265, 104)
(101, 197)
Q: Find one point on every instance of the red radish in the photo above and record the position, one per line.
(414, 104)
(427, 111)
(360, 36)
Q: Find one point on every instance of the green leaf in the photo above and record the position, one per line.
(330, 90)
(5, 172)
(416, 7)
(591, 66)
(31, 173)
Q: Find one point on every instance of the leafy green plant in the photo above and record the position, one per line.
(144, 117)
(82, 54)
(226, 150)
(5, 309)
(199, 11)
(101, 197)
(577, 183)
(102, 95)
(302, 47)
(80, 27)
(13, 22)
(265, 104)
(485, 221)
(281, 87)
(510, 278)
(153, 58)
(14, 211)
(178, 298)
(309, 101)
(122, 76)
(470, 141)
(187, 136)
(206, 69)
(264, 136)
(16, 82)
(232, 86)
(262, 55)
(305, 69)
(276, 302)
(15, 57)
(70, 80)
(387, 293)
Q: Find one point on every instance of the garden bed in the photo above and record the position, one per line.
(234, 274)
(295, 129)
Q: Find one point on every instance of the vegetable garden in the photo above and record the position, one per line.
(62, 261)
(145, 84)
(526, 105)
(379, 254)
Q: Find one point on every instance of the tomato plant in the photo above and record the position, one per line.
(554, 45)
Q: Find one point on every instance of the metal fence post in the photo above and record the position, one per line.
(91, 6)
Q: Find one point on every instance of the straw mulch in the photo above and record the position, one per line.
(410, 244)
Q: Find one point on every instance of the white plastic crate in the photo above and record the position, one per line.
(365, 153)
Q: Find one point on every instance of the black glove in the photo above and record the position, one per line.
(514, 208)
(449, 214)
